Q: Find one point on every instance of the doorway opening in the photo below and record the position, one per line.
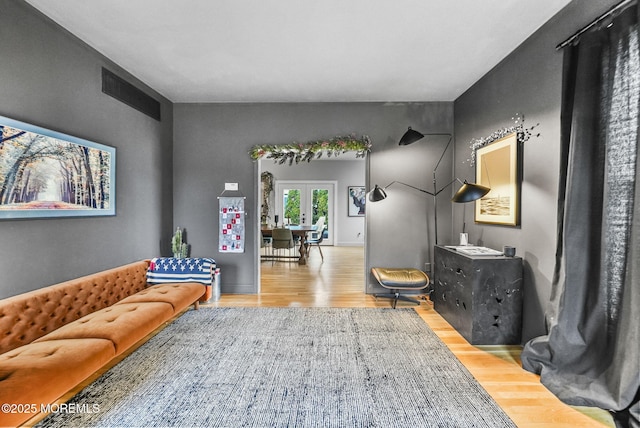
(303, 194)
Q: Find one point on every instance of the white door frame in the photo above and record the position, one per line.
(333, 184)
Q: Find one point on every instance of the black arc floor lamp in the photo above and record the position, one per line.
(468, 192)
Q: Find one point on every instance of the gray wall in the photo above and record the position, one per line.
(401, 228)
(211, 145)
(529, 81)
(50, 79)
(348, 230)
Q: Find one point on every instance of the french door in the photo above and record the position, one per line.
(304, 202)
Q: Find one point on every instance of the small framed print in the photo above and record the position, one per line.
(356, 201)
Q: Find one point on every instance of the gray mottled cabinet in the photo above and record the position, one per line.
(480, 296)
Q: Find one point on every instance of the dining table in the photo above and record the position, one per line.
(301, 231)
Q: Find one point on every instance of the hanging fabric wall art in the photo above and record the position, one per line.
(232, 224)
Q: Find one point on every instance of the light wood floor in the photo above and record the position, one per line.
(339, 282)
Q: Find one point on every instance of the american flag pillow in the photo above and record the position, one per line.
(168, 269)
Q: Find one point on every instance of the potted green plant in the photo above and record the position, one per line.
(178, 247)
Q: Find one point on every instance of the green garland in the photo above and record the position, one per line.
(299, 152)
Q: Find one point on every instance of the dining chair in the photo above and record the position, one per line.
(281, 239)
(317, 240)
(265, 243)
(319, 225)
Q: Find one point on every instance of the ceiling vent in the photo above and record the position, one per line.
(124, 91)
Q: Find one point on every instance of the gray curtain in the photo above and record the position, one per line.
(591, 353)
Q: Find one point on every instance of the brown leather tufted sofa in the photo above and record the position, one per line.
(53, 338)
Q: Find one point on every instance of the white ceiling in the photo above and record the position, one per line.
(304, 51)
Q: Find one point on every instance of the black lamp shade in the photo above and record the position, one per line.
(410, 137)
(377, 194)
(470, 192)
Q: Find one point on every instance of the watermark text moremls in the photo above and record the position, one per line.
(49, 408)
(70, 408)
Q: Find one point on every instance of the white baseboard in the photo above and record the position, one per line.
(350, 244)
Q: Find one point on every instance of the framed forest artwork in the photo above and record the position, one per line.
(44, 173)
(498, 167)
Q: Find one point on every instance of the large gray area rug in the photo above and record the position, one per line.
(288, 367)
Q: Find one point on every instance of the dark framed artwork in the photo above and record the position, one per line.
(497, 167)
(356, 201)
(44, 173)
